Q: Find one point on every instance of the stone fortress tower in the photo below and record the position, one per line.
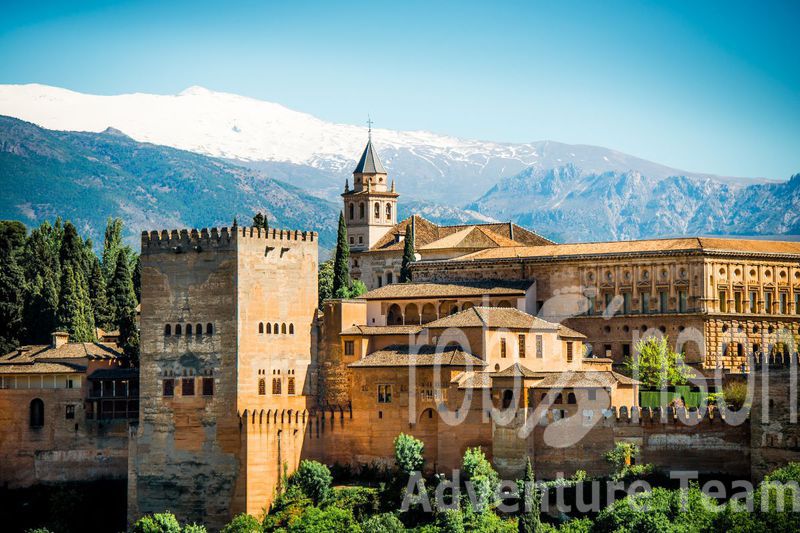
(370, 207)
(227, 326)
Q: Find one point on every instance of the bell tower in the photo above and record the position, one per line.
(370, 207)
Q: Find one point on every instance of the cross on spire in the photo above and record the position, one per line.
(369, 126)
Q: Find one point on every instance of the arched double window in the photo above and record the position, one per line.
(388, 211)
(36, 413)
(377, 211)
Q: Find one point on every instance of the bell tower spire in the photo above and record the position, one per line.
(370, 207)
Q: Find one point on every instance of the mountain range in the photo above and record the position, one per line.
(566, 192)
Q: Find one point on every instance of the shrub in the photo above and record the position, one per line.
(383, 523)
(157, 523)
(38, 530)
(286, 506)
(194, 528)
(363, 502)
(408, 453)
(659, 510)
(480, 473)
(656, 365)
(621, 457)
(734, 394)
(314, 479)
(316, 520)
(450, 521)
(243, 523)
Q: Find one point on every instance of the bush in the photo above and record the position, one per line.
(450, 521)
(480, 473)
(621, 457)
(316, 520)
(157, 523)
(659, 510)
(243, 523)
(363, 502)
(408, 453)
(38, 530)
(286, 506)
(383, 523)
(734, 394)
(314, 479)
(194, 528)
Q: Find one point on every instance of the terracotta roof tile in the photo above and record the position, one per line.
(447, 290)
(420, 355)
(590, 378)
(516, 370)
(473, 380)
(382, 330)
(564, 331)
(42, 368)
(492, 317)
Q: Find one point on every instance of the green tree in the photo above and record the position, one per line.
(408, 255)
(325, 281)
(121, 295)
(42, 269)
(408, 453)
(112, 246)
(383, 523)
(316, 520)
(357, 288)
(478, 470)
(656, 365)
(341, 262)
(97, 294)
(195, 528)
(74, 309)
(12, 284)
(450, 521)
(157, 523)
(242, 523)
(261, 221)
(529, 520)
(137, 278)
(314, 479)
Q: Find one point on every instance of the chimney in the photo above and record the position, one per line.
(60, 338)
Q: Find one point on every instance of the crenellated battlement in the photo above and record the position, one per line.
(197, 240)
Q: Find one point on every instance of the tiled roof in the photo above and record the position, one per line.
(420, 355)
(473, 380)
(686, 245)
(516, 370)
(42, 368)
(492, 317)
(590, 378)
(564, 331)
(71, 350)
(430, 236)
(382, 330)
(447, 290)
(369, 163)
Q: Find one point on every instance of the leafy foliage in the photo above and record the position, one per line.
(316, 520)
(325, 281)
(408, 255)
(314, 479)
(341, 262)
(363, 502)
(157, 523)
(659, 510)
(242, 523)
(530, 502)
(656, 365)
(383, 523)
(478, 470)
(408, 453)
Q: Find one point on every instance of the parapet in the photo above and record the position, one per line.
(642, 416)
(186, 240)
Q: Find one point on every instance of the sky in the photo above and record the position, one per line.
(705, 86)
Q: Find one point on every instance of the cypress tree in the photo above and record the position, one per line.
(258, 220)
(112, 246)
(74, 313)
(137, 278)
(341, 262)
(120, 292)
(408, 255)
(129, 335)
(72, 250)
(41, 307)
(97, 294)
(529, 520)
(12, 285)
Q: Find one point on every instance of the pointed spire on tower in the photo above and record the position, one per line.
(392, 184)
(346, 185)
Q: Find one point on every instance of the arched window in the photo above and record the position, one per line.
(276, 385)
(198, 329)
(388, 211)
(269, 327)
(389, 278)
(262, 387)
(571, 398)
(558, 398)
(276, 328)
(361, 210)
(37, 413)
(291, 329)
(177, 329)
(188, 329)
(394, 317)
(261, 327)
(167, 330)
(209, 329)
(377, 211)
(283, 328)
(352, 211)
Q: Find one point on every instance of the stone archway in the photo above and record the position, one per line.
(428, 313)
(394, 317)
(412, 314)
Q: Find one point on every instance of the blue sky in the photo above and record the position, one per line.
(703, 86)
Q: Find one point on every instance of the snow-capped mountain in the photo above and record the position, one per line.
(305, 150)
